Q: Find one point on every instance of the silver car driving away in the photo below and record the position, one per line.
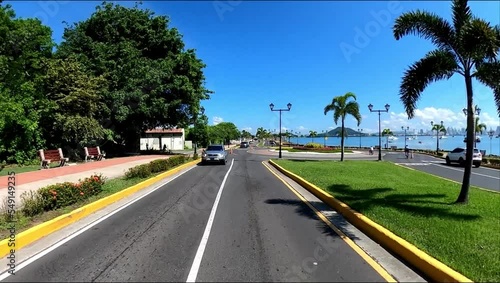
(214, 153)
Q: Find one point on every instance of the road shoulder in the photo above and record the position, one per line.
(394, 266)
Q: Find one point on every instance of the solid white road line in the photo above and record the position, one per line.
(473, 173)
(193, 272)
(4, 275)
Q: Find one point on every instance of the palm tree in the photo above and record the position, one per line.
(312, 134)
(478, 129)
(468, 46)
(387, 133)
(341, 107)
(439, 129)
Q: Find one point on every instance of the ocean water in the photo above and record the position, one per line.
(421, 142)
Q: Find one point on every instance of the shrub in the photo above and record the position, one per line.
(139, 171)
(492, 161)
(177, 160)
(58, 195)
(155, 166)
(159, 165)
(314, 145)
(67, 193)
(32, 203)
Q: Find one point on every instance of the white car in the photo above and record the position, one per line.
(458, 155)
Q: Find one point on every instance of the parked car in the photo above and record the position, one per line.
(214, 154)
(458, 155)
(244, 144)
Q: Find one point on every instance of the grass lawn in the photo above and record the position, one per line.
(23, 169)
(18, 169)
(110, 187)
(417, 207)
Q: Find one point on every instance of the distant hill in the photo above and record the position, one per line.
(336, 132)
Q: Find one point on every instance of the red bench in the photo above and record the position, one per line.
(93, 153)
(52, 155)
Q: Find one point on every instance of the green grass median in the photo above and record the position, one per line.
(419, 208)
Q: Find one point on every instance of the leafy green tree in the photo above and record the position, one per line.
(214, 135)
(200, 132)
(467, 46)
(342, 106)
(226, 131)
(152, 80)
(74, 108)
(24, 44)
(246, 134)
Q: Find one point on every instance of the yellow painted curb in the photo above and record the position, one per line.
(37, 232)
(434, 269)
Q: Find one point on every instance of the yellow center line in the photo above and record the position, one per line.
(343, 236)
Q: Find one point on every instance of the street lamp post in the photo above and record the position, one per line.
(477, 111)
(324, 138)
(202, 111)
(490, 134)
(359, 131)
(403, 128)
(289, 106)
(297, 133)
(437, 136)
(387, 106)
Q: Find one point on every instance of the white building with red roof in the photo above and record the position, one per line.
(162, 138)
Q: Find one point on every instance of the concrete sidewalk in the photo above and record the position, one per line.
(111, 168)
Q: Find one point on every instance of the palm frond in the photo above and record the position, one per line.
(349, 95)
(488, 73)
(352, 108)
(461, 14)
(426, 25)
(329, 107)
(336, 116)
(436, 65)
(479, 41)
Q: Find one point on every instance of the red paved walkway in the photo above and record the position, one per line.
(28, 177)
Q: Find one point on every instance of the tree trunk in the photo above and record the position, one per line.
(464, 192)
(342, 141)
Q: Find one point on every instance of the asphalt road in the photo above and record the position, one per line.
(482, 177)
(261, 231)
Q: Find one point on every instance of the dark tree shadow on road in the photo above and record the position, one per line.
(302, 209)
(362, 200)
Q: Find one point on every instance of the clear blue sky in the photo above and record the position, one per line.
(262, 52)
